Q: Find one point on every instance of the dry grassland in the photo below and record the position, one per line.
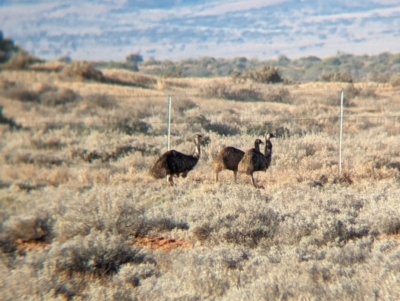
(81, 218)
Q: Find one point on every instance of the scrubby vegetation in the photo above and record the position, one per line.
(343, 67)
(82, 219)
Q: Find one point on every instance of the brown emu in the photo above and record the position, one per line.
(253, 160)
(173, 163)
(229, 158)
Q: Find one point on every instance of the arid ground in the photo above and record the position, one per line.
(82, 219)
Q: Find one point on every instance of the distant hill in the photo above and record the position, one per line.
(191, 29)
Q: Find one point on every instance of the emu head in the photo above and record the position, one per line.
(269, 135)
(257, 143)
(197, 139)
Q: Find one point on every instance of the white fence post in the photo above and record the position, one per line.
(169, 124)
(341, 134)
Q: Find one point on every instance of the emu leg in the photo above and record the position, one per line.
(252, 180)
(216, 177)
(170, 180)
(235, 175)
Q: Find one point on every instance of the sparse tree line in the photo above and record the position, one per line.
(343, 67)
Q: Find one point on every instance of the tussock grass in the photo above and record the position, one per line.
(327, 235)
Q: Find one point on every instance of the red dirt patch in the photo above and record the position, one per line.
(31, 245)
(163, 244)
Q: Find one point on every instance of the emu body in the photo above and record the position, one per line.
(253, 160)
(176, 163)
(229, 158)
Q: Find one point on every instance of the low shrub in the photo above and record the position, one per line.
(261, 227)
(395, 80)
(350, 92)
(28, 158)
(342, 77)
(23, 94)
(102, 100)
(220, 89)
(184, 104)
(281, 95)
(265, 75)
(132, 222)
(223, 129)
(82, 71)
(53, 144)
(130, 126)
(259, 130)
(36, 227)
(220, 128)
(368, 92)
(6, 84)
(282, 132)
(20, 60)
(128, 78)
(47, 95)
(47, 66)
(98, 254)
(389, 225)
(58, 97)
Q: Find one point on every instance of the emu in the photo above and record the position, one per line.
(176, 163)
(229, 158)
(253, 160)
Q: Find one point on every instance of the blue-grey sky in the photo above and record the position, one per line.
(177, 29)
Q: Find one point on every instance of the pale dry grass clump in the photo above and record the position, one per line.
(96, 225)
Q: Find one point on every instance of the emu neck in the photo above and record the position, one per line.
(196, 153)
(268, 148)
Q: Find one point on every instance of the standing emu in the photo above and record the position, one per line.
(173, 163)
(253, 160)
(229, 158)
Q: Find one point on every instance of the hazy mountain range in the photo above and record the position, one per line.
(173, 29)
